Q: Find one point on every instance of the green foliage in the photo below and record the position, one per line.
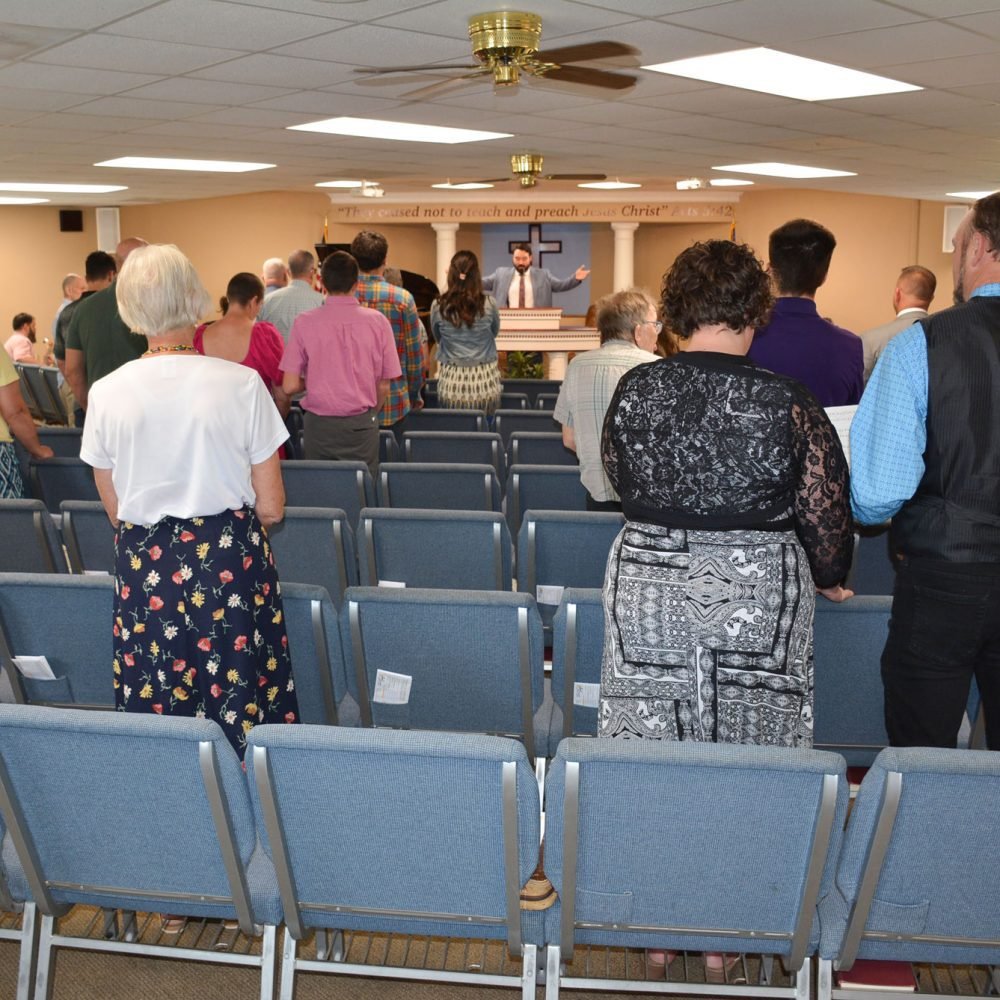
(524, 364)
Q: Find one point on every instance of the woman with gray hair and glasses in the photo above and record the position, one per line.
(184, 449)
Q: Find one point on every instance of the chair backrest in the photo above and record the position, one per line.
(454, 550)
(399, 831)
(546, 400)
(847, 707)
(918, 879)
(513, 401)
(539, 448)
(541, 487)
(27, 393)
(64, 441)
(454, 446)
(78, 787)
(558, 549)
(751, 832)
(388, 447)
(89, 536)
(317, 656)
(347, 485)
(66, 619)
(316, 545)
(445, 420)
(872, 570)
(531, 387)
(30, 541)
(49, 402)
(438, 486)
(51, 377)
(431, 394)
(463, 661)
(56, 479)
(505, 422)
(577, 648)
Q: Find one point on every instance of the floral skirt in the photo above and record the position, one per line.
(11, 484)
(199, 628)
(470, 387)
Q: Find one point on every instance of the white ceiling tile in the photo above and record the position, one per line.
(986, 23)
(70, 79)
(347, 10)
(38, 100)
(277, 71)
(252, 117)
(19, 41)
(327, 104)
(371, 45)
(933, 8)
(81, 14)
(946, 73)
(215, 92)
(97, 51)
(129, 107)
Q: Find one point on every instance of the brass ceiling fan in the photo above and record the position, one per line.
(505, 44)
(526, 169)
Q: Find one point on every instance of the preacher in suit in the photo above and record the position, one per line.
(537, 284)
(914, 292)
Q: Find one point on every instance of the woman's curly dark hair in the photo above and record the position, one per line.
(714, 282)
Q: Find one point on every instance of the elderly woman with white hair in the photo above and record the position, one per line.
(185, 455)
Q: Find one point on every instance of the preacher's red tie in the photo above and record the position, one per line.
(520, 293)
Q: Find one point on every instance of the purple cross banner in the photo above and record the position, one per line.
(559, 247)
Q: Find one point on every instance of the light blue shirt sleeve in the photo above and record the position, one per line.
(889, 431)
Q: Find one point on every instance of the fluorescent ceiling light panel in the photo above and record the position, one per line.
(23, 201)
(771, 72)
(795, 170)
(340, 184)
(61, 188)
(172, 163)
(609, 185)
(728, 182)
(467, 186)
(373, 128)
(969, 195)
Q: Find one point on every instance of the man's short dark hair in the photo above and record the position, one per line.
(22, 320)
(800, 253)
(300, 264)
(339, 273)
(986, 220)
(526, 247)
(369, 249)
(100, 265)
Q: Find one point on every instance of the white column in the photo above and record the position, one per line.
(446, 242)
(624, 265)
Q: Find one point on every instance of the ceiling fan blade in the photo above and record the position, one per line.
(586, 52)
(493, 180)
(425, 68)
(443, 85)
(588, 77)
(575, 177)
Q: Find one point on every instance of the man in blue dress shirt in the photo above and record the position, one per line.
(925, 452)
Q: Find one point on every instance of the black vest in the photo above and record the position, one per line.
(955, 513)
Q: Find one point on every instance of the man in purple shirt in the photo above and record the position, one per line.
(826, 359)
(344, 356)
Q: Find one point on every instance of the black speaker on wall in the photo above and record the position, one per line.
(70, 220)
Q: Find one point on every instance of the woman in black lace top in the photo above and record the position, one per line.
(735, 490)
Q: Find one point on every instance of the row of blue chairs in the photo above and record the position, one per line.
(540, 393)
(648, 845)
(39, 386)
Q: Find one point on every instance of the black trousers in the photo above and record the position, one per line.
(944, 630)
(593, 504)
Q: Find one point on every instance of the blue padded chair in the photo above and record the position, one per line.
(388, 446)
(918, 879)
(539, 448)
(532, 387)
(473, 660)
(347, 485)
(430, 394)
(30, 541)
(438, 486)
(558, 549)
(316, 545)
(66, 619)
(513, 401)
(577, 648)
(454, 550)
(847, 709)
(872, 570)
(454, 446)
(46, 393)
(690, 846)
(64, 442)
(56, 479)
(89, 536)
(27, 393)
(546, 400)
(18, 916)
(322, 689)
(541, 487)
(446, 420)
(117, 810)
(506, 422)
(406, 833)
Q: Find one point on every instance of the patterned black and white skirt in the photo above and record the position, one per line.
(708, 636)
(470, 387)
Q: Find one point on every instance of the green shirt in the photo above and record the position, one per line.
(98, 331)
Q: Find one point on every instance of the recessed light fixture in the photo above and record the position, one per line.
(23, 201)
(466, 186)
(771, 72)
(969, 195)
(795, 170)
(728, 182)
(172, 163)
(61, 188)
(615, 185)
(340, 184)
(690, 184)
(373, 128)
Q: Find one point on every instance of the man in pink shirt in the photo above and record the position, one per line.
(21, 344)
(344, 356)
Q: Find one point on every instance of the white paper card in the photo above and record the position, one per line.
(35, 667)
(96, 572)
(586, 695)
(391, 583)
(841, 418)
(391, 689)
(548, 595)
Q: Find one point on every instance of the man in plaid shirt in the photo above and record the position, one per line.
(396, 304)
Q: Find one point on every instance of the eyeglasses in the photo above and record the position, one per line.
(656, 324)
